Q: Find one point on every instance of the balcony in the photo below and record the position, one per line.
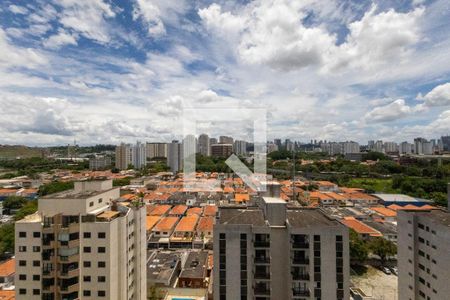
(262, 260)
(48, 244)
(300, 276)
(300, 245)
(67, 289)
(48, 289)
(261, 244)
(48, 273)
(300, 261)
(69, 273)
(300, 292)
(68, 259)
(69, 244)
(70, 228)
(262, 275)
(261, 291)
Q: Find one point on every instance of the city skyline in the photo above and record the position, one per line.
(123, 72)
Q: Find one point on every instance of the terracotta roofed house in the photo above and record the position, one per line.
(195, 210)
(159, 210)
(210, 211)
(7, 271)
(184, 231)
(362, 229)
(178, 210)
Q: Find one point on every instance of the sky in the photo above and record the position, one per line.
(103, 71)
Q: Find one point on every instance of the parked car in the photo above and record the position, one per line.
(394, 270)
(386, 270)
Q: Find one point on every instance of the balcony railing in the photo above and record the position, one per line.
(261, 244)
(262, 275)
(300, 245)
(261, 291)
(69, 273)
(262, 260)
(300, 260)
(300, 276)
(301, 292)
(65, 289)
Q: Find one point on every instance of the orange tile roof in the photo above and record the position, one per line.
(362, 196)
(205, 224)
(166, 224)
(325, 183)
(187, 223)
(319, 195)
(338, 197)
(395, 207)
(242, 197)
(228, 190)
(351, 190)
(360, 227)
(178, 210)
(7, 191)
(159, 210)
(386, 212)
(210, 210)
(194, 210)
(151, 222)
(8, 267)
(128, 196)
(7, 295)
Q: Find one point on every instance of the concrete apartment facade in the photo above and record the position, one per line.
(82, 244)
(423, 255)
(275, 252)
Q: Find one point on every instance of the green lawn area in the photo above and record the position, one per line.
(378, 185)
(11, 152)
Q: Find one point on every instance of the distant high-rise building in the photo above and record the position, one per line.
(445, 143)
(418, 145)
(123, 156)
(378, 146)
(175, 156)
(204, 147)
(240, 147)
(423, 256)
(371, 145)
(276, 252)
(405, 148)
(156, 150)
(225, 140)
(271, 147)
(350, 147)
(100, 162)
(278, 143)
(289, 145)
(139, 155)
(189, 145)
(221, 150)
(82, 244)
(390, 147)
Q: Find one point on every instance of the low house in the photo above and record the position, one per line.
(205, 229)
(178, 210)
(163, 268)
(194, 271)
(184, 232)
(162, 231)
(363, 230)
(7, 271)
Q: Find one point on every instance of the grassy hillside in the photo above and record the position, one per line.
(11, 152)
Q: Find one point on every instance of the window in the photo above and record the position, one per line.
(36, 277)
(87, 278)
(86, 264)
(36, 263)
(22, 249)
(100, 200)
(22, 277)
(36, 292)
(22, 263)
(91, 203)
(101, 278)
(87, 249)
(22, 234)
(22, 291)
(36, 249)
(101, 293)
(421, 226)
(86, 235)
(101, 235)
(86, 293)
(36, 234)
(101, 249)
(101, 264)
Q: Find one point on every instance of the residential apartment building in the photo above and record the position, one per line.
(203, 145)
(82, 244)
(271, 251)
(225, 140)
(240, 147)
(139, 155)
(99, 162)
(123, 156)
(221, 150)
(423, 256)
(156, 150)
(175, 156)
(350, 147)
(406, 148)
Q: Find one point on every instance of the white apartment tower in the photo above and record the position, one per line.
(139, 155)
(156, 150)
(175, 156)
(276, 252)
(82, 244)
(423, 254)
(240, 147)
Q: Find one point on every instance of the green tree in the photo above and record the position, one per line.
(383, 248)
(14, 202)
(29, 208)
(54, 187)
(121, 181)
(359, 250)
(6, 238)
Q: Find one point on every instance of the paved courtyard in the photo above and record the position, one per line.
(377, 284)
